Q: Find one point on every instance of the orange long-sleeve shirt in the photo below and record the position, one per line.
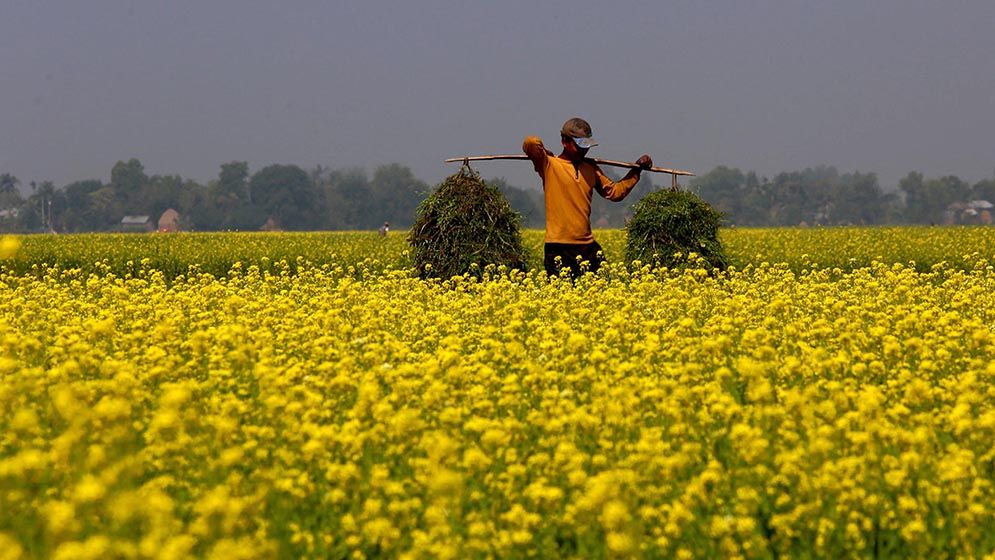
(568, 189)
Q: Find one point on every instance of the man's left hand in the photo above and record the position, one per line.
(644, 162)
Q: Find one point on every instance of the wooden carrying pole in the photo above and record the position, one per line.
(599, 161)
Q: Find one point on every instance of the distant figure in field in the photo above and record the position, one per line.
(384, 229)
(568, 181)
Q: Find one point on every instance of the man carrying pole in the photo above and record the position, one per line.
(568, 181)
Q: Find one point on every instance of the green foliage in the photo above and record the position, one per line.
(984, 190)
(926, 200)
(729, 191)
(465, 222)
(395, 193)
(349, 199)
(10, 199)
(107, 209)
(610, 213)
(527, 202)
(233, 181)
(813, 196)
(353, 201)
(287, 194)
(8, 184)
(129, 183)
(668, 225)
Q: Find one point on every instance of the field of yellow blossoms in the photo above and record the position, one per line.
(259, 396)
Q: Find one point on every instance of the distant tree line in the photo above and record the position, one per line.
(824, 196)
(291, 198)
(284, 196)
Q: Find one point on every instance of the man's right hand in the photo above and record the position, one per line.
(537, 152)
(644, 162)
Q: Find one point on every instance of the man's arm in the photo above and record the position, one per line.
(616, 191)
(532, 146)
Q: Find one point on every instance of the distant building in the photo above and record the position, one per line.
(270, 225)
(974, 212)
(137, 223)
(169, 221)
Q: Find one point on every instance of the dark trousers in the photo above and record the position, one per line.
(571, 256)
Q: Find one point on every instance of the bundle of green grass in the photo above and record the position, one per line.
(464, 226)
(669, 225)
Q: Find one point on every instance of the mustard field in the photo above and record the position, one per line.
(214, 253)
(306, 395)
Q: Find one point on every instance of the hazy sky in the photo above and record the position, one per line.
(886, 86)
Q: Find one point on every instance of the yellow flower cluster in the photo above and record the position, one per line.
(9, 245)
(345, 411)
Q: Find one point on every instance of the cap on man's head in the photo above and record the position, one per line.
(578, 129)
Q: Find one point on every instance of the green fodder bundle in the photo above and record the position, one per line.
(667, 226)
(465, 222)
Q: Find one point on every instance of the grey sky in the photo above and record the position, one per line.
(887, 86)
